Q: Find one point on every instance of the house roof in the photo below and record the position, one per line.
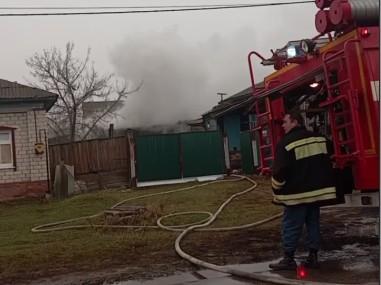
(195, 122)
(12, 92)
(244, 98)
(90, 108)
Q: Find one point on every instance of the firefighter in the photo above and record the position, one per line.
(302, 178)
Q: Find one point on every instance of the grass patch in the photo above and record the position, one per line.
(32, 255)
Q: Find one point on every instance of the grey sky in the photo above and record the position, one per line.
(184, 58)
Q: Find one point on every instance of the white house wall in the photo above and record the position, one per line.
(31, 170)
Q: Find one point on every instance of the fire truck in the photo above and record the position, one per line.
(333, 79)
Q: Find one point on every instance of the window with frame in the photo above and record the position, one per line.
(6, 149)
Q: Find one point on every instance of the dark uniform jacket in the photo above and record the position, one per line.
(302, 170)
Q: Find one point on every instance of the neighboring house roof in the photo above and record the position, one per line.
(195, 123)
(239, 100)
(90, 108)
(13, 92)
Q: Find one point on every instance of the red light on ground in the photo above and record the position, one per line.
(364, 32)
(301, 272)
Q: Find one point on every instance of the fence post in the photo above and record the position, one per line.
(226, 152)
(131, 151)
(181, 155)
(111, 131)
(61, 182)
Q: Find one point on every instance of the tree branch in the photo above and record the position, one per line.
(76, 82)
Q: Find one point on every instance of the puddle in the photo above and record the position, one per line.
(179, 278)
(356, 262)
(353, 264)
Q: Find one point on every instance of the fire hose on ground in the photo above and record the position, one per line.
(187, 228)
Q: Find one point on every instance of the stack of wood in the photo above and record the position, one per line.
(124, 214)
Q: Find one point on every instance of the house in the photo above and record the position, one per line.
(93, 110)
(234, 116)
(196, 125)
(96, 108)
(231, 116)
(23, 131)
(88, 115)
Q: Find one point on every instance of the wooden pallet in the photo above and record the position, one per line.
(123, 211)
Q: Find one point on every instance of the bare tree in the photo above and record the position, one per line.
(76, 82)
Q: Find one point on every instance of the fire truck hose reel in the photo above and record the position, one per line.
(321, 4)
(362, 13)
(323, 23)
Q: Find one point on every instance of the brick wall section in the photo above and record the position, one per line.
(30, 166)
(10, 191)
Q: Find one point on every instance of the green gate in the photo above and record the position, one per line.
(202, 154)
(174, 156)
(158, 157)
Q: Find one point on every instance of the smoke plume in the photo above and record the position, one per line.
(181, 78)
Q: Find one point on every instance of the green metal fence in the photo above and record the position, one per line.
(202, 154)
(157, 157)
(174, 156)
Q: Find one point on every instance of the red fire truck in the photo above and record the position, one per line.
(333, 80)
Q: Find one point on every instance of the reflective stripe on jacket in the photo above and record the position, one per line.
(302, 170)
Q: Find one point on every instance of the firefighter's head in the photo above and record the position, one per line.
(291, 120)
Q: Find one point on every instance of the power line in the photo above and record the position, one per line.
(196, 8)
(113, 7)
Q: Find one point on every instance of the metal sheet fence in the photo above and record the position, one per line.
(161, 157)
(158, 157)
(202, 154)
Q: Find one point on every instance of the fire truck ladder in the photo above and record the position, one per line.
(262, 124)
(266, 146)
(342, 103)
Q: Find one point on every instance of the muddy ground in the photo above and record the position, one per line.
(346, 233)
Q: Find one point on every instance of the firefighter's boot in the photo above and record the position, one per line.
(312, 259)
(286, 263)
